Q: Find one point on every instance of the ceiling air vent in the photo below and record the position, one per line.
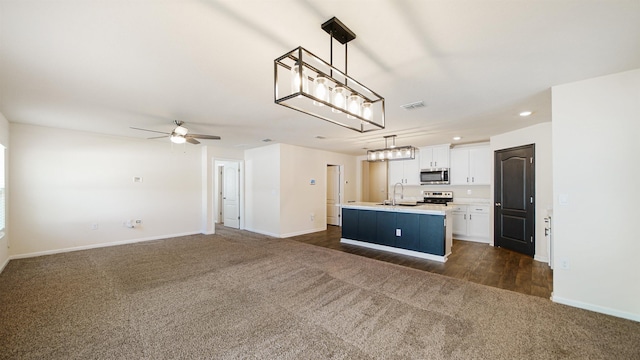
(413, 105)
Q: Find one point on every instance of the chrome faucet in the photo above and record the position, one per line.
(393, 201)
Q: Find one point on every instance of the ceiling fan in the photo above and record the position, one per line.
(180, 134)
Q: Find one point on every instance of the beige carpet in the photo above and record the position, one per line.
(238, 295)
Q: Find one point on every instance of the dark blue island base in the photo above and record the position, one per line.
(421, 231)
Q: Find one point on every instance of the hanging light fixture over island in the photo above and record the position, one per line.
(391, 152)
(304, 82)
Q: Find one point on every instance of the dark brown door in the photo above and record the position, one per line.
(514, 199)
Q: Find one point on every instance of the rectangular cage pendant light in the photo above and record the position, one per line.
(304, 82)
(393, 152)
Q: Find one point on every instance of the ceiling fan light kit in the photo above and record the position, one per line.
(391, 152)
(180, 134)
(305, 82)
(178, 139)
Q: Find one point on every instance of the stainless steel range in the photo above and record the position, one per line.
(437, 197)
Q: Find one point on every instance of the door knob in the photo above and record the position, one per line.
(498, 204)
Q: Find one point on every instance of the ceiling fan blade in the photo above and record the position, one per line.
(205, 137)
(191, 140)
(158, 137)
(159, 132)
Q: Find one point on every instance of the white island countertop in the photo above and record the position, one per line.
(417, 209)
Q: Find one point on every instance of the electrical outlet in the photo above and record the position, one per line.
(138, 222)
(564, 264)
(94, 226)
(312, 216)
(398, 232)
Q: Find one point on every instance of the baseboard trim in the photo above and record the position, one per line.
(263, 232)
(6, 262)
(471, 238)
(417, 254)
(97, 246)
(543, 259)
(303, 232)
(595, 308)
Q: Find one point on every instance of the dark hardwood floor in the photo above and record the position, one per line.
(471, 261)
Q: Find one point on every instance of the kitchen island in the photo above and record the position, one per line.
(423, 231)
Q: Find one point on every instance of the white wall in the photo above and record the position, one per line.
(262, 190)
(596, 133)
(66, 181)
(300, 199)
(4, 241)
(279, 196)
(540, 135)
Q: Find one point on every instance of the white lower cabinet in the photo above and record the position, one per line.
(459, 214)
(471, 222)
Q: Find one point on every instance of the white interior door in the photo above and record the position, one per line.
(231, 195)
(333, 195)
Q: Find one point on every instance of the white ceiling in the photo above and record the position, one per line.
(103, 66)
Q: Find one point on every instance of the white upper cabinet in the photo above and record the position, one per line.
(480, 165)
(406, 172)
(471, 165)
(434, 156)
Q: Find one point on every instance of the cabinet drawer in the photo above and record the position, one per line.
(482, 209)
(459, 208)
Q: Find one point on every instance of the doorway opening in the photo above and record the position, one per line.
(514, 199)
(227, 190)
(334, 194)
(374, 181)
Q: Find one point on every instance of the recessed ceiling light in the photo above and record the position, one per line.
(320, 137)
(267, 140)
(456, 138)
(525, 113)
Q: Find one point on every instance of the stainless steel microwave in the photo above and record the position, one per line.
(434, 176)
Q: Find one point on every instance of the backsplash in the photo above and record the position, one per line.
(413, 192)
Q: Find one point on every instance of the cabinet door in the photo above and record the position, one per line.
(426, 157)
(350, 224)
(479, 221)
(434, 156)
(406, 172)
(366, 225)
(409, 225)
(396, 172)
(479, 166)
(459, 223)
(411, 171)
(385, 228)
(440, 156)
(432, 234)
(459, 172)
